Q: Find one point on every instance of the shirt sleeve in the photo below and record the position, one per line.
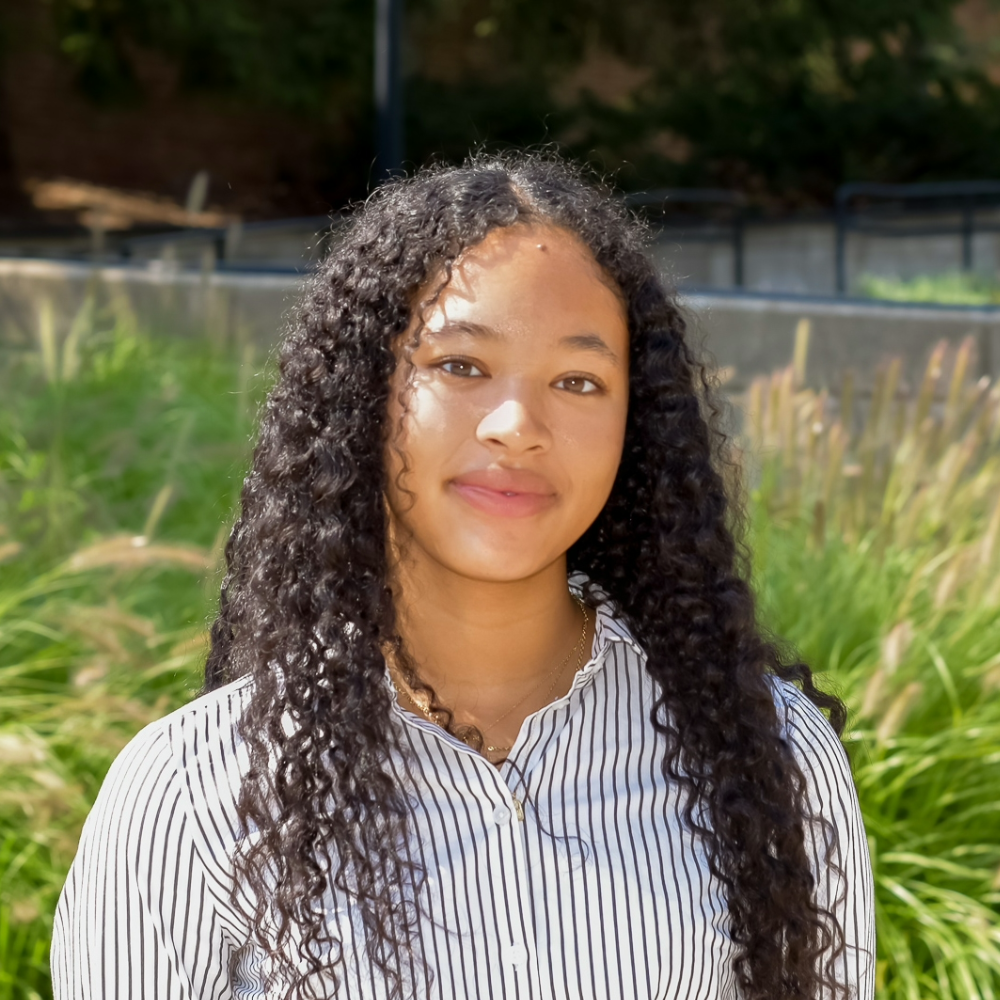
(136, 917)
(844, 882)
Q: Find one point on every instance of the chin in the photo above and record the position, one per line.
(494, 574)
(496, 565)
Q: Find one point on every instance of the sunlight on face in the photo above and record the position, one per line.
(515, 413)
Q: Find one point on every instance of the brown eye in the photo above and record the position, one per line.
(463, 369)
(578, 384)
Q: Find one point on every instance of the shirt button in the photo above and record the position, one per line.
(501, 815)
(517, 955)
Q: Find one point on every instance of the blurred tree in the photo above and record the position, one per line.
(11, 196)
(784, 98)
(797, 97)
(285, 52)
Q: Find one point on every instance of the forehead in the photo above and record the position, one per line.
(528, 276)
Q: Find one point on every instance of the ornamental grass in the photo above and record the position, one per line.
(874, 524)
(877, 557)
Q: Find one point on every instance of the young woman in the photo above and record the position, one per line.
(488, 711)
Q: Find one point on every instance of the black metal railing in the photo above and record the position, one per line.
(694, 215)
(659, 205)
(662, 207)
(225, 241)
(882, 212)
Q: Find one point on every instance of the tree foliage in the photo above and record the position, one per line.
(784, 98)
(284, 52)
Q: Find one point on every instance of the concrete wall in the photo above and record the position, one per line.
(752, 333)
(223, 306)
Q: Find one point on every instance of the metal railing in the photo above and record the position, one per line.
(225, 241)
(950, 197)
(659, 206)
(660, 202)
(691, 215)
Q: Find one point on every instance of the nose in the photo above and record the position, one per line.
(515, 426)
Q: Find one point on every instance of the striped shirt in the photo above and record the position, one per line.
(567, 874)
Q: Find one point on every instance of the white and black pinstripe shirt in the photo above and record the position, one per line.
(599, 891)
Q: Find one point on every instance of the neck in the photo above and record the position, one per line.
(480, 644)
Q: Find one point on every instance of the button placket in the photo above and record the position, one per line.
(508, 843)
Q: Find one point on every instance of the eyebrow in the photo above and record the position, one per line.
(457, 327)
(591, 342)
(579, 341)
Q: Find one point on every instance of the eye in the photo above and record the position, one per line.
(461, 368)
(579, 384)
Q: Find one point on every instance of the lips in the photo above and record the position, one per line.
(505, 492)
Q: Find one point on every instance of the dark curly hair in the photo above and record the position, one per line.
(306, 608)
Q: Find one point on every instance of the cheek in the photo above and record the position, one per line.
(426, 434)
(594, 453)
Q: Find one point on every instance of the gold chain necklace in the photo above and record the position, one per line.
(403, 688)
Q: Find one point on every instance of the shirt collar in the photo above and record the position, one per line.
(609, 626)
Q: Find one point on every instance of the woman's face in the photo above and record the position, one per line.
(509, 432)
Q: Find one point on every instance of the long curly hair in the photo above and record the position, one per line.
(306, 610)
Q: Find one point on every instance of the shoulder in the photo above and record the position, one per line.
(817, 750)
(193, 758)
(206, 726)
(835, 839)
(806, 730)
(149, 887)
(181, 740)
